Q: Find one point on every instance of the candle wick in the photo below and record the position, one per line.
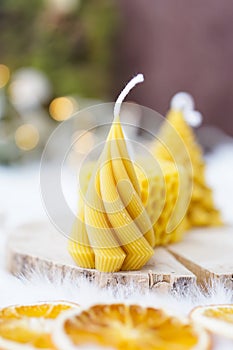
(134, 81)
(182, 101)
(193, 118)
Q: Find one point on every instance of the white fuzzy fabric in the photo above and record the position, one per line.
(20, 181)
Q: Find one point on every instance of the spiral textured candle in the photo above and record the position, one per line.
(114, 230)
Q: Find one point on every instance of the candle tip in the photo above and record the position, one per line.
(193, 118)
(182, 101)
(139, 78)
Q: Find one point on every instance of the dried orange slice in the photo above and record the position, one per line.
(128, 327)
(29, 326)
(215, 318)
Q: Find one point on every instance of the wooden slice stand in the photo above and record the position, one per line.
(208, 253)
(204, 253)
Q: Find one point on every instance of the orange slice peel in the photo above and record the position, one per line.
(121, 326)
(29, 327)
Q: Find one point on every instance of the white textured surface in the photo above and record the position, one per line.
(20, 203)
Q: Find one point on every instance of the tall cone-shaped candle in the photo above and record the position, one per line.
(115, 228)
(201, 211)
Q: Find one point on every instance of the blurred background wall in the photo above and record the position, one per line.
(180, 46)
(58, 56)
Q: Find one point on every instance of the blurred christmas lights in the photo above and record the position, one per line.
(29, 88)
(63, 6)
(4, 75)
(62, 108)
(83, 141)
(26, 137)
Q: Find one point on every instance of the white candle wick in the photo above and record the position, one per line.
(181, 101)
(134, 81)
(193, 118)
(184, 102)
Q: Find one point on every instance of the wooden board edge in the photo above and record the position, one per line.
(205, 277)
(20, 264)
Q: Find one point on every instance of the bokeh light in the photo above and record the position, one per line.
(61, 108)
(26, 137)
(29, 88)
(4, 75)
(63, 6)
(83, 143)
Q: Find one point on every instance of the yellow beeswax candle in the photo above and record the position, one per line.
(79, 245)
(117, 226)
(165, 196)
(202, 209)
